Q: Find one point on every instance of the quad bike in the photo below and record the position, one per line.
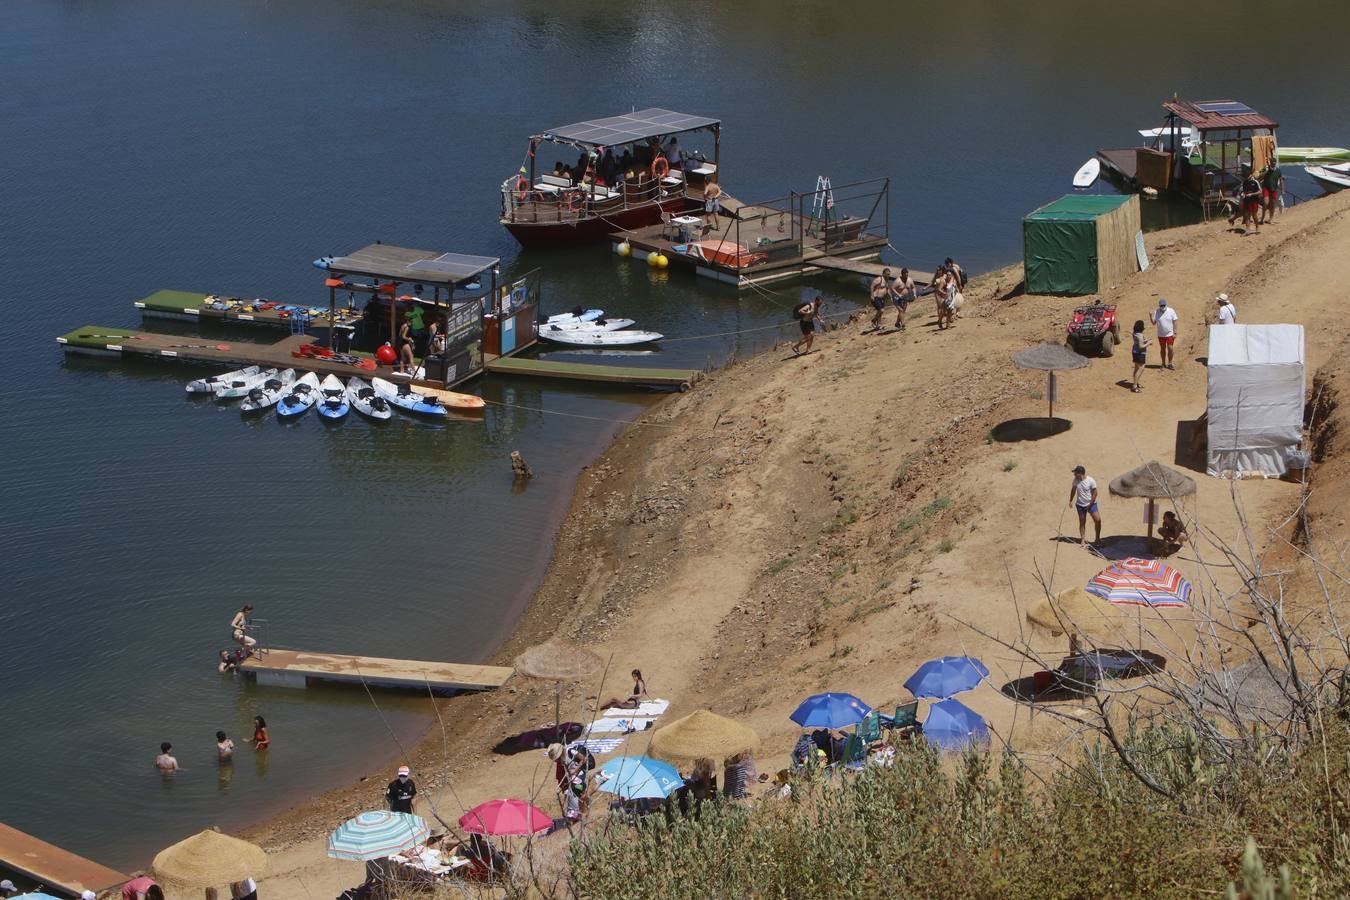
(1094, 329)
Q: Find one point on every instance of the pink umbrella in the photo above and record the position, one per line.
(1140, 582)
(505, 817)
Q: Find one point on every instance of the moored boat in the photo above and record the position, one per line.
(631, 169)
(408, 400)
(264, 396)
(599, 338)
(333, 404)
(1332, 178)
(596, 325)
(209, 385)
(239, 387)
(301, 397)
(1311, 154)
(364, 400)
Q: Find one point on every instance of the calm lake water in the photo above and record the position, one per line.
(222, 146)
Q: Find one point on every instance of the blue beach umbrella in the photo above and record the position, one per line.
(36, 895)
(951, 725)
(639, 778)
(946, 676)
(830, 711)
(377, 834)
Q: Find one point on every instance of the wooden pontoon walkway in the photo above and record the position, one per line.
(191, 306)
(53, 867)
(293, 668)
(543, 368)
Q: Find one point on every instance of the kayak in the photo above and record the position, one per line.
(209, 385)
(406, 399)
(593, 325)
(585, 315)
(238, 387)
(1088, 173)
(598, 338)
(453, 399)
(1311, 154)
(364, 400)
(264, 396)
(333, 403)
(302, 396)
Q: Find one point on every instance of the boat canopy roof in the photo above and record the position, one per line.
(1212, 115)
(402, 264)
(629, 127)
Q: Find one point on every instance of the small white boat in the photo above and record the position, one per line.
(209, 385)
(239, 387)
(408, 400)
(302, 395)
(584, 315)
(1332, 178)
(333, 403)
(1088, 173)
(596, 325)
(1311, 154)
(579, 338)
(264, 396)
(364, 400)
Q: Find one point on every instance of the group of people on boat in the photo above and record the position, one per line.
(651, 159)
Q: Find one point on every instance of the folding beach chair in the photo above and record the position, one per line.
(869, 729)
(906, 719)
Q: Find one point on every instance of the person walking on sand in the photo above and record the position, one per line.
(239, 629)
(880, 290)
(260, 740)
(1083, 497)
(902, 295)
(1272, 186)
(1165, 317)
(401, 792)
(806, 320)
(1249, 194)
(1227, 311)
(1138, 352)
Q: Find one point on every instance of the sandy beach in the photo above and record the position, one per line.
(829, 521)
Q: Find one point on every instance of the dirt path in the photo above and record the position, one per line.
(829, 522)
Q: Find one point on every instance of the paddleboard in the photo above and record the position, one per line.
(585, 315)
(593, 325)
(453, 399)
(598, 338)
(1086, 175)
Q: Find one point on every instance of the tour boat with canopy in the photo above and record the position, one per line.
(627, 172)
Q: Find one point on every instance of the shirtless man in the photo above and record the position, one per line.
(880, 290)
(903, 292)
(239, 629)
(712, 204)
(165, 762)
(806, 319)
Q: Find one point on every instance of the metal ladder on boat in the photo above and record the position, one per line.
(822, 204)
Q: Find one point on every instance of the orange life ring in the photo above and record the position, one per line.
(522, 188)
(573, 201)
(660, 167)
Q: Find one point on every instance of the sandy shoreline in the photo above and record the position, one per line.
(827, 522)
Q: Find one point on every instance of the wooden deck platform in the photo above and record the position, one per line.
(1121, 165)
(293, 668)
(594, 372)
(191, 306)
(53, 867)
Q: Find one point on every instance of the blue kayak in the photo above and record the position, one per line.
(332, 403)
(302, 396)
(408, 400)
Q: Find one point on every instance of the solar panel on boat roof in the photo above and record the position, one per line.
(453, 264)
(1226, 108)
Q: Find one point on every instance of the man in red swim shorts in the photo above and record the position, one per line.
(1165, 317)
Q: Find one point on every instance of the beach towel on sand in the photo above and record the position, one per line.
(615, 725)
(646, 708)
(599, 746)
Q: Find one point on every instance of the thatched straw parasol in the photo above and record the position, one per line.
(558, 661)
(1153, 481)
(1075, 611)
(1050, 358)
(702, 735)
(208, 859)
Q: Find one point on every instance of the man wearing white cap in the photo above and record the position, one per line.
(401, 792)
(1165, 317)
(1227, 311)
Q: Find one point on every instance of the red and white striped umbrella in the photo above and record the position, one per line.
(1140, 582)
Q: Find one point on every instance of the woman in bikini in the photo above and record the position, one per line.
(259, 740)
(633, 700)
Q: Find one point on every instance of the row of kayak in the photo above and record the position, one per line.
(262, 389)
(590, 328)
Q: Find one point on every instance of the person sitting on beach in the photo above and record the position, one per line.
(224, 747)
(142, 888)
(1171, 532)
(478, 848)
(165, 762)
(239, 629)
(633, 700)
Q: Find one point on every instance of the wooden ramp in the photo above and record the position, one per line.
(293, 668)
(547, 368)
(53, 867)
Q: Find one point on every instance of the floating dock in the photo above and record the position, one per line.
(52, 867)
(682, 379)
(295, 668)
(190, 306)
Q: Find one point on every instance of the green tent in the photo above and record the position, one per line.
(1080, 244)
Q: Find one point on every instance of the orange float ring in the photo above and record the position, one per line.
(660, 167)
(573, 201)
(522, 188)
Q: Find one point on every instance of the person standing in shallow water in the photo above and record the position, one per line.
(259, 740)
(224, 748)
(166, 762)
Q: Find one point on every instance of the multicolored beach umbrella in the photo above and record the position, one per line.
(830, 710)
(1140, 582)
(377, 834)
(946, 676)
(951, 726)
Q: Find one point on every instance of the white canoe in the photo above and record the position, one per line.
(238, 387)
(1087, 173)
(584, 315)
(597, 325)
(333, 403)
(301, 397)
(408, 400)
(599, 338)
(1311, 154)
(1329, 178)
(209, 385)
(364, 400)
(265, 395)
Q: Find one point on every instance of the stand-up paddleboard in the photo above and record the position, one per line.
(408, 400)
(302, 396)
(209, 385)
(579, 338)
(584, 315)
(593, 325)
(364, 400)
(1085, 176)
(333, 403)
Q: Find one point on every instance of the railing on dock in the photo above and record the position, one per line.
(583, 201)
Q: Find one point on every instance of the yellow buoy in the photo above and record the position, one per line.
(662, 261)
(652, 259)
(624, 248)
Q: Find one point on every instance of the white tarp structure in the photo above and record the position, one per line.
(1256, 384)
